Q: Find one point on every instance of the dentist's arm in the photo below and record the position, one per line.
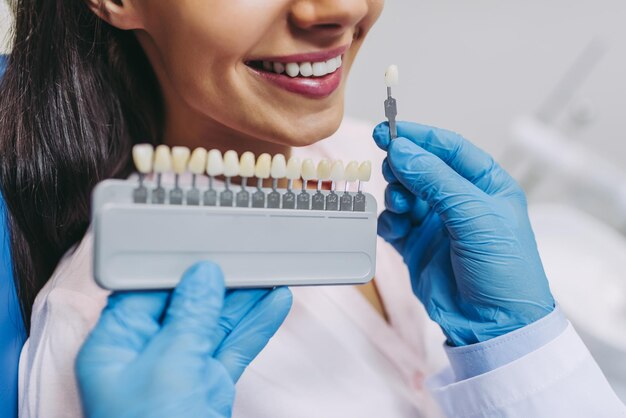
(176, 354)
(461, 224)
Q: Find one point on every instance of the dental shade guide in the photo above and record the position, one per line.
(318, 201)
(391, 106)
(146, 233)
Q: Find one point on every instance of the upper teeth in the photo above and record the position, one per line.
(304, 69)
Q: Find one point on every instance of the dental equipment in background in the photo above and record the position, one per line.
(391, 108)
(145, 237)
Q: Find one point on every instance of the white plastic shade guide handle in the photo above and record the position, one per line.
(143, 155)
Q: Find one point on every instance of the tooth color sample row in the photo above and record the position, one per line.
(179, 160)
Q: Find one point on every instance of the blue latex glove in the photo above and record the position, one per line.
(461, 224)
(176, 354)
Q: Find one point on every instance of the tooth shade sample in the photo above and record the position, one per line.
(294, 168)
(263, 166)
(180, 158)
(308, 170)
(279, 167)
(279, 67)
(162, 159)
(323, 170)
(337, 171)
(391, 76)
(365, 171)
(197, 162)
(352, 171)
(142, 157)
(306, 69)
(292, 69)
(246, 164)
(215, 163)
(231, 164)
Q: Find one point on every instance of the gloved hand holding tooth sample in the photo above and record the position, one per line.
(461, 224)
(316, 237)
(179, 353)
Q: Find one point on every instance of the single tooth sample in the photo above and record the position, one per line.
(162, 164)
(197, 165)
(391, 107)
(231, 169)
(352, 175)
(246, 171)
(337, 174)
(214, 168)
(323, 174)
(308, 173)
(365, 173)
(294, 169)
(278, 171)
(143, 157)
(180, 158)
(261, 172)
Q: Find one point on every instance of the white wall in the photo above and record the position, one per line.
(473, 66)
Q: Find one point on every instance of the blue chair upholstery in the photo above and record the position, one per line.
(12, 333)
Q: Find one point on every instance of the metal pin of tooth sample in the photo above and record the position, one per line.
(261, 172)
(214, 168)
(162, 164)
(277, 171)
(197, 165)
(365, 173)
(318, 201)
(337, 174)
(303, 200)
(142, 157)
(246, 171)
(294, 169)
(351, 175)
(180, 158)
(231, 169)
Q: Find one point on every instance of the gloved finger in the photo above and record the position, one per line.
(431, 180)
(129, 321)
(253, 332)
(388, 173)
(398, 199)
(237, 304)
(462, 156)
(393, 227)
(382, 136)
(192, 318)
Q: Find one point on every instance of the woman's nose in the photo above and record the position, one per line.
(328, 15)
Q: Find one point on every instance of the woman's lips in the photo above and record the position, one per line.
(312, 87)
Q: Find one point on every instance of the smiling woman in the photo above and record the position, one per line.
(88, 79)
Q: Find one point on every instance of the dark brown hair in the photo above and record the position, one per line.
(76, 94)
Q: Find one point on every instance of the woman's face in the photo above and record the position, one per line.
(218, 59)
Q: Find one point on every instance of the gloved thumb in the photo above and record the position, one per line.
(191, 320)
(430, 179)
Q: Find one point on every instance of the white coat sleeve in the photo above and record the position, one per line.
(558, 379)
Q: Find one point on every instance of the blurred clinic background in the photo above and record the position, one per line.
(540, 85)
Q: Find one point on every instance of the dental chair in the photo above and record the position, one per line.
(12, 332)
